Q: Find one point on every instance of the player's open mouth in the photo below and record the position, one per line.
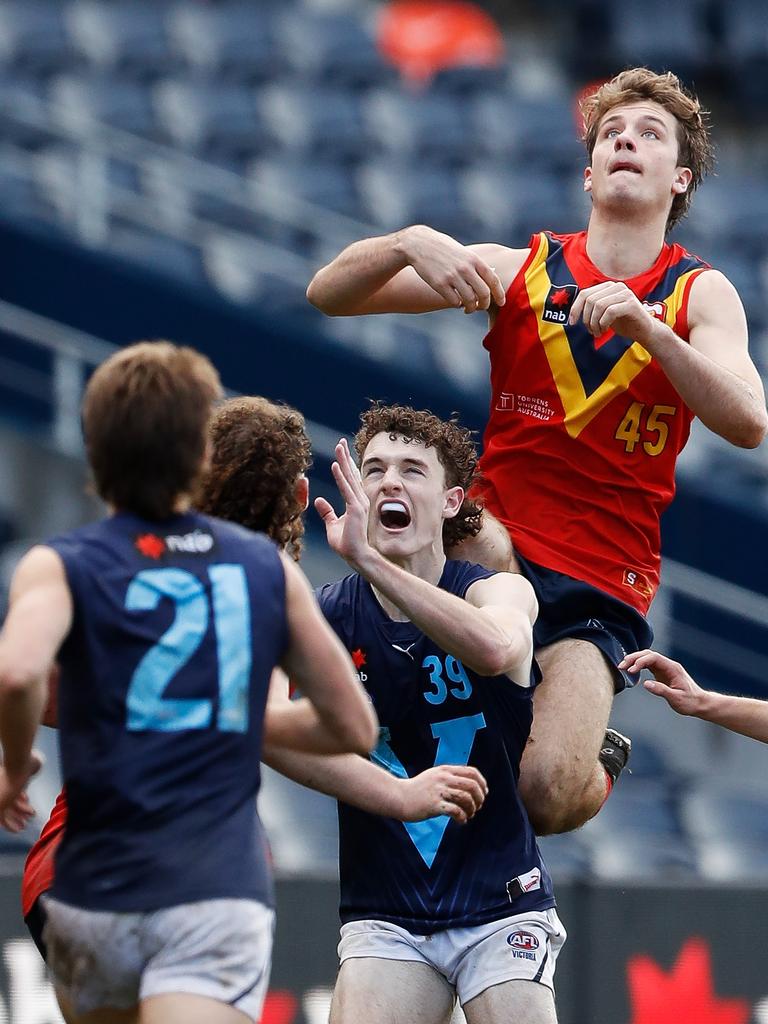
(625, 166)
(394, 515)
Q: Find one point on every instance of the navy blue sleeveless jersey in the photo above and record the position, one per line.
(432, 875)
(164, 677)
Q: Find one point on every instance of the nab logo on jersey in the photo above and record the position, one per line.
(558, 303)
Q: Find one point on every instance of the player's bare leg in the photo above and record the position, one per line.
(380, 991)
(562, 783)
(492, 547)
(178, 1008)
(525, 1002)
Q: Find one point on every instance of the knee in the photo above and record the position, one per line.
(556, 798)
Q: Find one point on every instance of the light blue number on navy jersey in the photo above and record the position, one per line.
(456, 674)
(146, 706)
(454, 745)
(232, 622)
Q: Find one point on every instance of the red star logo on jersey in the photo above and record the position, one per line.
(150, 545)
(358, 658)
(560, 297)
(683, 996)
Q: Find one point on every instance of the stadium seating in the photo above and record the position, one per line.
(231, 41)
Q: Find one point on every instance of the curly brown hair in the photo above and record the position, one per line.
(454, 446)
(638, 84)
(260, 449)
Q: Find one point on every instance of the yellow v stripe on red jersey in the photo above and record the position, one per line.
(588, 376)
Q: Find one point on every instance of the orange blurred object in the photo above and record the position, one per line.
(421, 37)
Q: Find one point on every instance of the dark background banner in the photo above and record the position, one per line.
(635, 955)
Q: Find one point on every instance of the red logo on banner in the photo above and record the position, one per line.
(683, 996)
(279, 1008)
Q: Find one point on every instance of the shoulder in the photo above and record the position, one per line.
(339, 595)
(712, 296)
(505, 588)
(41, 567)
(505, 261)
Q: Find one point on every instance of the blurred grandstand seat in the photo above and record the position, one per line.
(734, 860)
(33, 37)
(470, 80)
(745, 52)
(644, 856)
(648, 761)
(301, 825)
(158, 252)
(125, 35)
(398, 193)
(547, 135)
(637, 806)
(430, 126)
(512, 204)
(247, 272)
(661, 35)
(218, 120)
(328, 185)
(727, 813)
(20, 199)
(565, 856)
(83, 101)
(58, 175)
(234, 41)
(22, 110)
(333, 48)
(317, 122)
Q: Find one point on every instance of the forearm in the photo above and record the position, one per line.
(724, 402)
(357, 273)
(353, 780)
(21, 708)
(297, 726)
(456, 626)
(739, 714)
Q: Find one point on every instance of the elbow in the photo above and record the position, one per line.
(752, 432)
(317, 297)
(496, 659)
(368, 734)
(15, 681)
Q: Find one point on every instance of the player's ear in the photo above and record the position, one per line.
(302, 492)
(587, 179)
(683, 178)
(454, 496)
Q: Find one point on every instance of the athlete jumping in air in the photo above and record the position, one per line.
(603, 345)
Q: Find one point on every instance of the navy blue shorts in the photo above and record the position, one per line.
(35, 922)
(571, 609)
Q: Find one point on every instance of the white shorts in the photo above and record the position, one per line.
(216, 948)
(522, 947)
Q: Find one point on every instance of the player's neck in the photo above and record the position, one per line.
(623, 249)
(426, 565)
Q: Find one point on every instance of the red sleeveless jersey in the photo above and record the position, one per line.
(38, 870)
(580, 449)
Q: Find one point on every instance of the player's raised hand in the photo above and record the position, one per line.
(612, 306)
(455, 790)
(671, 681)
(455, 272)
(15, 808)
(347, 534)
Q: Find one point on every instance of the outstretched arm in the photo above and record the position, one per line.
(490, 631)
(712, 373)
(739, 714)
(415, 270)
(457, 791)
(341, 719)
(39, 618)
